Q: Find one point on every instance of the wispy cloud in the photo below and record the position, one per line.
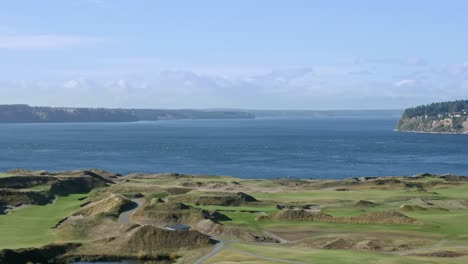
(45, 41)
(314, 87)
(411, 61)
(405, 83)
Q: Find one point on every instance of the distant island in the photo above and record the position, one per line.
(40, 114)
(444, 117)
(23, 113)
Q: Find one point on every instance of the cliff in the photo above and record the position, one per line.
(29, 114)
(454, 125)
(444, 117)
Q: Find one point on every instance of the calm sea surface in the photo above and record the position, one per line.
(337, 147)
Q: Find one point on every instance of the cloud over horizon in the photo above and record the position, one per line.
(240, 54)
(290, 88)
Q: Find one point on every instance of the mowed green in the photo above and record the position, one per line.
(32, 226)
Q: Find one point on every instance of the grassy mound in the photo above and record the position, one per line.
(45, 254)
(29, 187)
(144, 242)
(339, 243)
(364, 203)
(21, 182)
(113, 205)
(224, 199)
(79, 228)
(12, 197)
(297, 215)
(410, 208)
(151, 240)
(390, 217)
(161, 213)
(77, 184)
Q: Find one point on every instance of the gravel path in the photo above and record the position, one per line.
(125, 216)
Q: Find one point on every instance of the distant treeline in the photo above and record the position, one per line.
(435, 109)
(29, 114)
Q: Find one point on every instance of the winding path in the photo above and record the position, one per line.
(125, 219)
(213, 252)
(125, 216)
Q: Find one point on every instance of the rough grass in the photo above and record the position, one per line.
(338, 204)
(268, 209)
(158, 195)
(229, 256)
(306, 255)
(32, 225)
(332, 195)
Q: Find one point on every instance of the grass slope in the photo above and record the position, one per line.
(32, 225)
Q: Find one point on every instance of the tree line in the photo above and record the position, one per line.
(435, 109)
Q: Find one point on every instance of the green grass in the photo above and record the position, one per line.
(328, 195)
(269, 209)
(248, 220)
(172, 181)
(158, 195)
(37, 188)
(3, 174)
(453, 192)
(343, 211)
(317, 256)
(451, 223)
(443, 224)
(32, 225)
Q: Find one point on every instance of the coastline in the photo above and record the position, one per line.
(428, 132)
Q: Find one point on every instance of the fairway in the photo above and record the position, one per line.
(32, 225)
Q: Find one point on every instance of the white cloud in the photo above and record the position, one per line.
(71, 84)
(44, 41)
(306, 88)
(405, 82)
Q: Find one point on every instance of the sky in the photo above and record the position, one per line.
(233, 54)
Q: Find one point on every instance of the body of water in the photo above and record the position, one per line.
(337, 147)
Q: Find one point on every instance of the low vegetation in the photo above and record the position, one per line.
(419, 219)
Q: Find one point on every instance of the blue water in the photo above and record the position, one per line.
(263, 148)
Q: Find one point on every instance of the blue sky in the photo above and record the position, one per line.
(233, 54)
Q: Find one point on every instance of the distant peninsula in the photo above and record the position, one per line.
(20, 113)
(23, 113)
(444, 117)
